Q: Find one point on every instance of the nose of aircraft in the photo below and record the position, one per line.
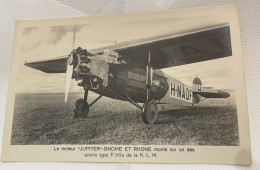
(77, 61)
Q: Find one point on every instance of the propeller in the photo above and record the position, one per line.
(69, 73)
(69, 70)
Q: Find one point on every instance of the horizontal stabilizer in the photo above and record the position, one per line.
(217, 94)
(207, 88)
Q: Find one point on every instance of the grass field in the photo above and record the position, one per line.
(45, 119)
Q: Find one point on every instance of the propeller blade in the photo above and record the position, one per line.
(69, 71)
(68, 80)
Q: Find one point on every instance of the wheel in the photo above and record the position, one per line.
(75, 116)
(150, 112)
(81, 109)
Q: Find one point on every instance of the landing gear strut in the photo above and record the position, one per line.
(81, 108)
(150, 108)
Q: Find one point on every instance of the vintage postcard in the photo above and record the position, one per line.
(156, 87)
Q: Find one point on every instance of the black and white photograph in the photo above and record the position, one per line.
(136, 79)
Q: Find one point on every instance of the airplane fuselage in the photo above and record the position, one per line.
(130, 82)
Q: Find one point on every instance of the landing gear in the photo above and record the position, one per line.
(81, 109)
(150, 108)
(150, 112)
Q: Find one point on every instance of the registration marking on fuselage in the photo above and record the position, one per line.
(180, 91)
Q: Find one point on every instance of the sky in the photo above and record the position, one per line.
(46, 42)
(215, 73)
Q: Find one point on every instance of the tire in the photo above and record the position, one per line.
(81, 109)
(150, 112)
(75, 116)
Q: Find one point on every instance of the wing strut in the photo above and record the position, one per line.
(149, 77)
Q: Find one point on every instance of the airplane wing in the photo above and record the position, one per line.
(168, 50)
(215, 94)
(57, 65)
(165, 51)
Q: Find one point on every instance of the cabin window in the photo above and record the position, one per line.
(130, 75)
(141, 78)
(136, 76)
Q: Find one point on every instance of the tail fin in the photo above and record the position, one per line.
(200, 92)
(197, 84)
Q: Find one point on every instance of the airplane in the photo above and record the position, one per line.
(131, 71)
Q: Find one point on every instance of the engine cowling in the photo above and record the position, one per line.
(81, 63)
(90, 68)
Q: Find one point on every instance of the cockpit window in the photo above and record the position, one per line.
(136, 76)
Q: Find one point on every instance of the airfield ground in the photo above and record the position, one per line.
(44, 119)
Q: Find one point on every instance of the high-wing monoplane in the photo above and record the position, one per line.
(132, 71)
